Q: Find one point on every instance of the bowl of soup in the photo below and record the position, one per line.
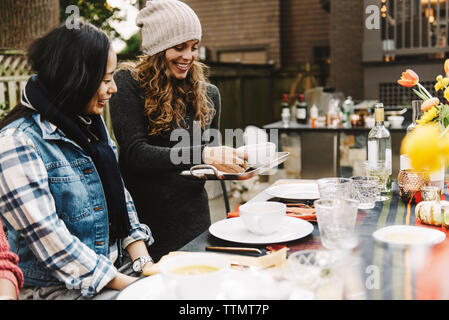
(196, 276)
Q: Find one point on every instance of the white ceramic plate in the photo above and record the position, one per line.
(296, 191)
(233, 229)
(237, 285)
(401, 235)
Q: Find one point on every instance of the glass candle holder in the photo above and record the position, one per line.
(410, 183)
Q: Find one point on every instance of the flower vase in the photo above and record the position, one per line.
(416, 114)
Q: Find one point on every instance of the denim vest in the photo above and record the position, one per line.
(77, 191)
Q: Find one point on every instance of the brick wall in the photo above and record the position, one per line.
(346, 37)
(240, 24)
(305, 25)
(290, 29)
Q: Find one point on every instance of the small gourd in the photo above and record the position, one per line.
(430, 212)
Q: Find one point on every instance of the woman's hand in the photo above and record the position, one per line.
(120, 281)
(226, 159)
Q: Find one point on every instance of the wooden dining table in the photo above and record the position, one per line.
(386, 272)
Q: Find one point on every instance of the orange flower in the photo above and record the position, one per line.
(446, 67)
(409, 79)
(428, 104)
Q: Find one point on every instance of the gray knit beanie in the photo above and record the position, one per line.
(167, 23)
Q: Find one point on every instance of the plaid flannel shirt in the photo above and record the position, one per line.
(28, 206)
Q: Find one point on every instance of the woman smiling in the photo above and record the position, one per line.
(165, 95)
(66, 210)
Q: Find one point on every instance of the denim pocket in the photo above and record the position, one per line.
(73, 204)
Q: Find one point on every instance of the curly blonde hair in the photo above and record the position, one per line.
(166, 98)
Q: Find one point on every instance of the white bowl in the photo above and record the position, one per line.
(263, 217)
(195, 286)
(395, 121)
(369, 122)
(260, 154)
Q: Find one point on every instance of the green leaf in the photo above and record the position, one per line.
(444, 115)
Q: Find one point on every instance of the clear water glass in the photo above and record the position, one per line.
(335, 188)
(336, 222)
(364, 190)
(381, 170)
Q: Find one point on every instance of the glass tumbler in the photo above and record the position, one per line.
(335, 188)
(380, 170)
(364, 190)
(336, 222)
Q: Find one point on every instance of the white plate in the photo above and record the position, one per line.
(237, 285)
(233, 229)
(297, 191)
(401, 235)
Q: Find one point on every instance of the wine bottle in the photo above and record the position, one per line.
(285, 114)
(379, 145)
(301, 110)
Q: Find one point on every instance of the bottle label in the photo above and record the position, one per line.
(301, 113)
(372, 153)
(389, 160)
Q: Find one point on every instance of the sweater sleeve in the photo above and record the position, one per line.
(9, 261)
(130, 128)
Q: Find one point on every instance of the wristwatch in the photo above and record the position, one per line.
(140, 262)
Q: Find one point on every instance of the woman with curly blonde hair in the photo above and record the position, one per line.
(165, 117)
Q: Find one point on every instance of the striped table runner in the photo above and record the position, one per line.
(394, 273)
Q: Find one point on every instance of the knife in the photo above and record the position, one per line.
(236, 250)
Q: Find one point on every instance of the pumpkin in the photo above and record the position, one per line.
(429, 212)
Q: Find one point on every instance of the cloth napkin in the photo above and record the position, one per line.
(293, 210)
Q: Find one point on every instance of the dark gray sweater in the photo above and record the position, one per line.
(174, 207)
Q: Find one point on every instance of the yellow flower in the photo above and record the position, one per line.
(428, 116)
(425, 148)
(446, 93)
(441, 83)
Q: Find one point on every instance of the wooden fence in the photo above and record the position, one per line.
(14, 72)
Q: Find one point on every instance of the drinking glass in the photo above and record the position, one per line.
(364, 190)
(336, 222)
(314, 270)
(335, 188)
(381, 170)
(431, 193)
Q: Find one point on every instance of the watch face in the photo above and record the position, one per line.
(136, 265)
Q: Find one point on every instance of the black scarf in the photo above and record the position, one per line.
(90, 134)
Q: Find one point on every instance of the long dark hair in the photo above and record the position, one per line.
(70, 65)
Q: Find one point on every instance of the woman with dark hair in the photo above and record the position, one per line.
(67, 213)
(163, 97)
